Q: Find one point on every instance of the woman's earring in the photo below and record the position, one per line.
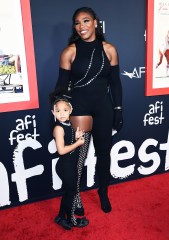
(54, 118)
(95, 26)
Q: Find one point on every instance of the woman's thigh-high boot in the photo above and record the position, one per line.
(103, 170)
(79, 210)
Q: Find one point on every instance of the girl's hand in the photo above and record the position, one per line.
(79, 133)
(80, 141)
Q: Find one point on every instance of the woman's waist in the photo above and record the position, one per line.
(92, 91)
(93, 96)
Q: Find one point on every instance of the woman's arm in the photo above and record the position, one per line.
(111, 53)
(115, 81)
(64, 70)
(67, 57)
(115, 85)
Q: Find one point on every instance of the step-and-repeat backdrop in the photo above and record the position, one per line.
(28, 152)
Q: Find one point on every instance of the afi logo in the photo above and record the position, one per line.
(136, 73)
(154, 115)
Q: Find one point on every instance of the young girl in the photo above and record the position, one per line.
(67, 144)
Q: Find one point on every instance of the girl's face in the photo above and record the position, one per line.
(62, 111)
(85, 26)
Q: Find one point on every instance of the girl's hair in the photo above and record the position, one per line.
(99, 32)
(56, 96)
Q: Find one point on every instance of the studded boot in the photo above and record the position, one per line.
(79, 210)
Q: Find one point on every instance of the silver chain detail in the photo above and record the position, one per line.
(73, 218)
(90, 64)
(91, 80)
(72, 140)
(82, 157)
(65, 124)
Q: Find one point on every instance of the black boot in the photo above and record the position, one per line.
(63, 222)
(80, 222)
(104, 200)
(79, 211)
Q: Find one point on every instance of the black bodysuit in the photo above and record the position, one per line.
(90, 76)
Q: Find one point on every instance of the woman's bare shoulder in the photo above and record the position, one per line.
(111, 52)
(109, 47)
(69, 50)
(67, 56)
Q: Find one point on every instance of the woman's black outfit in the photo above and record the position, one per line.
(95, 84)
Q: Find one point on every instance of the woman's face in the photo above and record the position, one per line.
(85, 26)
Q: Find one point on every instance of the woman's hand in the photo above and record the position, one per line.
(118, 119)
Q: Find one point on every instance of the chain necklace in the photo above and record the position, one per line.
(65, 123)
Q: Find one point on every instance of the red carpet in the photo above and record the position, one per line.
(140, 212)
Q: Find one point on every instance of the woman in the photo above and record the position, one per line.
(91, 65)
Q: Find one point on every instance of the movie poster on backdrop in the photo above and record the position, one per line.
(18, 83)
(157, 48)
